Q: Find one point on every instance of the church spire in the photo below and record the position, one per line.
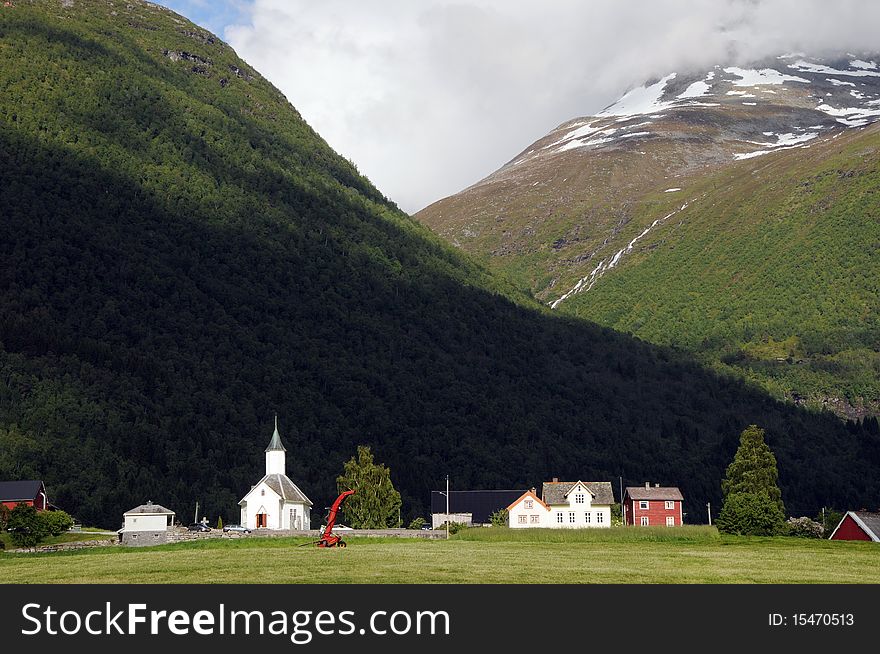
(275, 443)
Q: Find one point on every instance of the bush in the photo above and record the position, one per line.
(500, 518)
(4, 516)
(803, 527)
(454, 527)
(26, 527)
(219, 523)
(417, 523)
(751, 514)
(56, 522)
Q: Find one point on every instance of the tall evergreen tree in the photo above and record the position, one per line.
(752, 499)
(376, 504)
(753, 469)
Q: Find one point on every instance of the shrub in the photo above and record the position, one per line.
(25, 526)
(219, 522)
(56, 522)
(417, 523)
(500, 518)
(803, 527)
(4, 516)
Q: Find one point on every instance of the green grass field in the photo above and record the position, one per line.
(686, 555)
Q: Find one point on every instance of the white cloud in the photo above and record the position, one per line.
(428, 97)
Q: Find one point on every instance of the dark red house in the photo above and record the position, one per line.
(858, 525)
(652, 506)
(32, 493)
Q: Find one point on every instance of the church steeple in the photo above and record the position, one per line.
(275, 443)
(276, 454)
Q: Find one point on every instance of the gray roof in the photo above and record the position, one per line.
(275, 443)
(655, 493)
(150, 508)
(19, 490)
(871, 521)
(282, 485)
(554, 492)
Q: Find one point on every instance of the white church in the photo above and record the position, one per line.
(275, 502)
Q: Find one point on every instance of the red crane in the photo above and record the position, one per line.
(328, 538)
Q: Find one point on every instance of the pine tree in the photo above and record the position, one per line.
(376, 504)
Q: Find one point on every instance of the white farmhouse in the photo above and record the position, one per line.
(564, 505)
(275, 502)
(146, 524)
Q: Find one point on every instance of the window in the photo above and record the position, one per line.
(262, 491)
(670, 521)
(529, 504)
(559, 518)
(522, 519)
(600, 517)
(588, 517)
(536, 519)
(571, 516)
(670, 504)
(643, 504)
(579, 498)
(644, 521)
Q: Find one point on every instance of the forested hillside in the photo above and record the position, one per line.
(182, 257)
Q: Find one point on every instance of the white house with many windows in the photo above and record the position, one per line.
(564, 505)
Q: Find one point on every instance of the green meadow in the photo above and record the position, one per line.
(689, 555)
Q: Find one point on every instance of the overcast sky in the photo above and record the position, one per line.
(428, 96)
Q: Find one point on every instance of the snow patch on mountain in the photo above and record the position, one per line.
(751, 77)
(807, 67)
(641, 100)
(783, 142)
(586, 283)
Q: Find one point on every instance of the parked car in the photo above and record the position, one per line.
(236, 528)
(427, 527)
(198, 526)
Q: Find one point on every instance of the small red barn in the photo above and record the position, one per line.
(858, 525)
(32, 493)
(652, 506)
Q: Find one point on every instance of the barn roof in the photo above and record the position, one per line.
(655, 493)
(555, 492)
(150, 509)
(868, 521)
(481, 504)
(11, 491)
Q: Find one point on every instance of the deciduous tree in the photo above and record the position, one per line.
(376, 504)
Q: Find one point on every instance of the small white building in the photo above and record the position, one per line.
(146, 524)
(564, 505)
(275, 502)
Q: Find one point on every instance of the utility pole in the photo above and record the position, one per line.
(447, 507)
(709, 508)
(622, 514)
(196, 518)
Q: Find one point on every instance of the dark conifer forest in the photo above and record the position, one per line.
(182, 257)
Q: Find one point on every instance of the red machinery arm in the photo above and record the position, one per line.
(328, 538)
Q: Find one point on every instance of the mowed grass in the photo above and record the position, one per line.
(496, 556)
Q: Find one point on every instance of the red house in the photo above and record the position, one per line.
(652, 506)
(32, 493)
(858, 525)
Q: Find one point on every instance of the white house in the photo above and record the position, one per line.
(564, 505)
(146, 524)
(275, 502)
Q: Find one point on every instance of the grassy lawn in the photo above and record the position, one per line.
(687, 555)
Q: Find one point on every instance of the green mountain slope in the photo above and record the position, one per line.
(771, 271)
(731, 213)
(183, 257)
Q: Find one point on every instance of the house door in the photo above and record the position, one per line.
(261, 520)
